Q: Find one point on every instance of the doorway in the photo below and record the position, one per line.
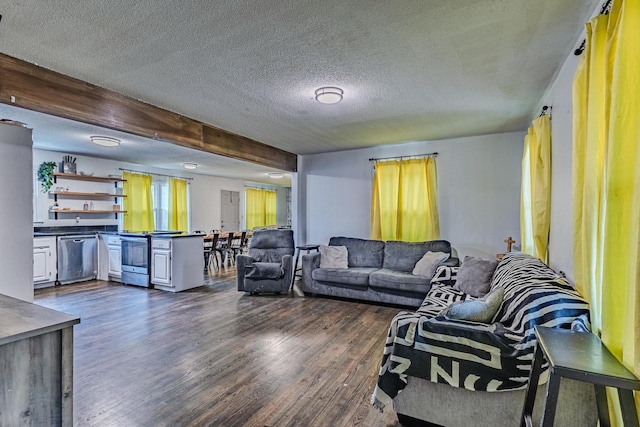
(230, 216)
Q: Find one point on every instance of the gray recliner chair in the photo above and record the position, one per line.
(269, 265)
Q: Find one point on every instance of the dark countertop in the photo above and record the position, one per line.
(20, 319)
(176, 236)
(52, 234)
(110, 232)
(73, 230)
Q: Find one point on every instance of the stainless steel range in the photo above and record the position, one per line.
(136, 256)
(136, 253)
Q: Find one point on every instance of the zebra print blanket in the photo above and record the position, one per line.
(475, 356)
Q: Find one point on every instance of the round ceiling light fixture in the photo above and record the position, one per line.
(105, 141)
(190, 165)
(276, 175)
(329, 95)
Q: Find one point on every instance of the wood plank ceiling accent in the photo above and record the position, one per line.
(39, 89)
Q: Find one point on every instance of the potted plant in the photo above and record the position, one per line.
(45, 175)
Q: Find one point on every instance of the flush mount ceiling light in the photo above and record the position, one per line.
(105, 141)
(329, 95)
(276, 175)
(190, 165)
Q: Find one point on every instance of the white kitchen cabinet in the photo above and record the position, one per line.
(114, 251)
(44, 261)
(161, 262)
(177, 263)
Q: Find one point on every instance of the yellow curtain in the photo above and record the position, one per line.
(260, 207)
(404, 205)
(139, 203)
(270, 207)
(606, 174)
(178, 212)
(535, 196)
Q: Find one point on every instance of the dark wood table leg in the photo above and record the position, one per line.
(530, 396)
(551, 400)
(603, 409)
(295, 269)
(628, 406)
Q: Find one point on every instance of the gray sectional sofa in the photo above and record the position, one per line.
(377, 271)
(457, 373)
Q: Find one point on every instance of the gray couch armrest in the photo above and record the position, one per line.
(287, 266)
(451, 262)
(309, 263)
(241, 262)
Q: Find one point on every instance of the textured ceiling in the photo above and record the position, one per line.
(411, 70)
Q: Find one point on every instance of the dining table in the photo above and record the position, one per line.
(223, 240)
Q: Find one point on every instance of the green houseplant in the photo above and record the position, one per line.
(45, 175)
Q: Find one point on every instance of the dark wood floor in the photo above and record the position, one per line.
(213, 356)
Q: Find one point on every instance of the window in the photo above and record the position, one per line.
(404, 204)
(260, 207)
(160, 197)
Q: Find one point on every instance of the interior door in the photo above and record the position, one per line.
(230, 217)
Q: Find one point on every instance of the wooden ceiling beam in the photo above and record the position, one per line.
(29, 86)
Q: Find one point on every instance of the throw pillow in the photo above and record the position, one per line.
(476, 310)
(334, 257)
(445, 275)
(427, 265)
(474, 276)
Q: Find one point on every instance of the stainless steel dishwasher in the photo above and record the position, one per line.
(77, 258)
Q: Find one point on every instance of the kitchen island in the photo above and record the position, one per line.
(36, 364)
(177, 261)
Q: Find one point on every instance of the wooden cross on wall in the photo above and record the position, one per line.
(509, 241)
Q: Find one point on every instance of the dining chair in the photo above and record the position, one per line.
(238, 243)
(224, 248)
(213, 253)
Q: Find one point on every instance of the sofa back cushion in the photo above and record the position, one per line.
(271, 245)
(403, 256)
(361, 252)
(535, 294)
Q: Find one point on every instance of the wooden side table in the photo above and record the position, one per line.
(579, 356)
(310, 247)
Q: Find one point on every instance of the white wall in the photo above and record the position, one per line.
(16, 232)
(205, 193)
(478, 191)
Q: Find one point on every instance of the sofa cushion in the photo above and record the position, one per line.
(535, 294)
(399, 281)
(361, 252)
(264, 270)
(426, 266)
(445, 275)
(474, 276)
(271, 245)
(403, 256)
(352, 277)
(439, 298)
(477, 310)
(333, 257)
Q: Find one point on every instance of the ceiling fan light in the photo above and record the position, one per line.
(105, 141)
(276, 175)
(329, 95)
(190, 165)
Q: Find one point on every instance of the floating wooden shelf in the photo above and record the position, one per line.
(90, 195)
(83, 211)
(87, 177)
(78, 193)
